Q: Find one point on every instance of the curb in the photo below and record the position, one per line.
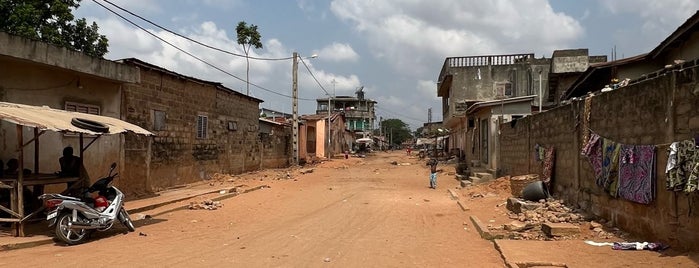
(462, 206)
(218, 198)
(49, 240)
(453, 194)
(483, 230)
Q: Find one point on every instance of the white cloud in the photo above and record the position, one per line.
(338, 53)
(408, 34)
(659, 17)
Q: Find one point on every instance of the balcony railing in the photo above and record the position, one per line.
(486, 60)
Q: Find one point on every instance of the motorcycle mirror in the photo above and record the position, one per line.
(113, 166)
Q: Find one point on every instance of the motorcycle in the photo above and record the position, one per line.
(75, 219)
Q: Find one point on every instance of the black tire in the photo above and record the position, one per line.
(89, 125)
(126, 220)
(70, 237)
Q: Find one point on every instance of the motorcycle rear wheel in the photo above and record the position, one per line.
(126, 220)
(65, 234)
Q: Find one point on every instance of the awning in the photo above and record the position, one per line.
(46, 118)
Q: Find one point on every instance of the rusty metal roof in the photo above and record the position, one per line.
(46, 118)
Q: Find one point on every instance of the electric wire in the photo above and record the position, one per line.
(194, 56)
(193, 40)
(314, 77)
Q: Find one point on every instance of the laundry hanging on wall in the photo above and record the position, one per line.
(622, 170)
(636, 172)
(547, 157)
(682, 169)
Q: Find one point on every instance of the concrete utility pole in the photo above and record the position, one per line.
(295, 109)
(330, 144)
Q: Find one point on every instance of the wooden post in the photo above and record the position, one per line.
(38, 189)
(19, 227)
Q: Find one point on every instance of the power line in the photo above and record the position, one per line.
(192, 55)
(314, 77)
(190, 39)
(399, 115)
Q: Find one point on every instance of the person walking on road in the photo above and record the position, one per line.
(433, 172)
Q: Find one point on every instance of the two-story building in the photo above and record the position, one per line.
(481, 92)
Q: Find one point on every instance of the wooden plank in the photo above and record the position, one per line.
(9, 211)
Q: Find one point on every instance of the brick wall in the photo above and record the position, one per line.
(176, 155)
(655, 111)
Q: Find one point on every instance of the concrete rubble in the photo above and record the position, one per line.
(206, 204)
(550, 220)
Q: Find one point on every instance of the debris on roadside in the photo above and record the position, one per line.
(206, 204)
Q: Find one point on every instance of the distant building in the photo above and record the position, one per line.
(359, 112)
(275, 116)
(480, 92)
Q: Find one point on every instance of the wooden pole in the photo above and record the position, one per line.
(38, 189)
(20, 182)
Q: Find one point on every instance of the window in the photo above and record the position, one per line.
(232, 125)
(202, 125)
(82, 108)
(158, 120)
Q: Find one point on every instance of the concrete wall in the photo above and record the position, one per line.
(276, 146)
(45, 54)
(30, 83)
(657, 111)
(177, 155)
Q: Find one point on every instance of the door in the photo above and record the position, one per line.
(485, 132)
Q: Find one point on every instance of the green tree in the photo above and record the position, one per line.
(400, 130)
(248, 37)
(52, 21)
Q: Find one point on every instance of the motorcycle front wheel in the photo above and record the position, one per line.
(65, 234)
(126, 220)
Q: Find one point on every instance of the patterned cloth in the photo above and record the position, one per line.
(549, 160)
(637, 173)
(593, 152)
(682, 171)
(586, 121)
(610, 167)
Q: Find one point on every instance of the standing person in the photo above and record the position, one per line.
(408, 149)
(433, 172)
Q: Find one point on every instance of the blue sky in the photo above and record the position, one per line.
(394, 48)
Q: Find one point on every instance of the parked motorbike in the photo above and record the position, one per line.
(76, 218)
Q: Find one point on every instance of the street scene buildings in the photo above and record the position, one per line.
(539, 161)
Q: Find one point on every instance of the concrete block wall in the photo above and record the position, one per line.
(656, 111)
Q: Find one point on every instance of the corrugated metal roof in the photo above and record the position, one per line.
(46, 118)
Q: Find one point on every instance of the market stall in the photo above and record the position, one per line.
(41, 119)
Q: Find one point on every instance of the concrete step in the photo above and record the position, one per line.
(476, 180)
(484, 176)
(465, 183)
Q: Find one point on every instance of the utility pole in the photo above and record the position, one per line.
(295, 109)
(330, 144)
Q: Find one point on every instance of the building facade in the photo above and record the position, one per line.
(201, 128)
(359, 112)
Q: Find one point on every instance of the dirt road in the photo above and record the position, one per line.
(347, 213)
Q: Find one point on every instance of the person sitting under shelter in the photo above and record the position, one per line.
(12, 166)
(70, 164)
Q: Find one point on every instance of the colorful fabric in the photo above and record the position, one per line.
(593, 152)
(680, 171)
(637, 173)
(610, 167)
(549, 160)
(586, 121)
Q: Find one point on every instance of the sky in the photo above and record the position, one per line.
(393, 48)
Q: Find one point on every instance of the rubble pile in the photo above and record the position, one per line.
(530, 218)
(206, 204)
